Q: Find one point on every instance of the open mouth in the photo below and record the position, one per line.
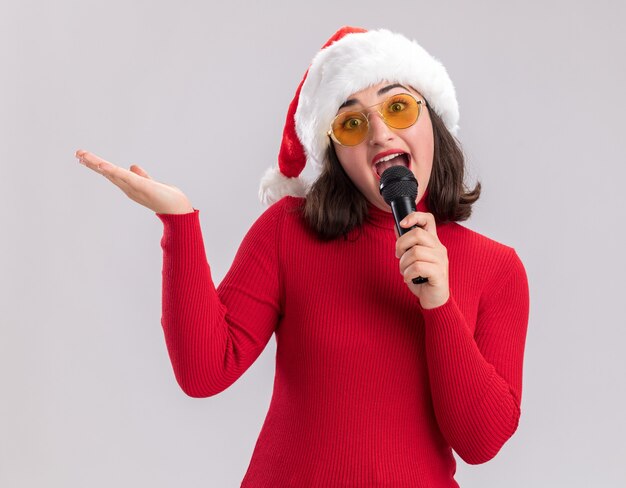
(397, 159)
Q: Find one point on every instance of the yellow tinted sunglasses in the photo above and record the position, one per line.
(397, 111)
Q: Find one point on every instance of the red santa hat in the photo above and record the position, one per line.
(350, 61)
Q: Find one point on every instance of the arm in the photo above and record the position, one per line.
(214, 335)
(476, 381)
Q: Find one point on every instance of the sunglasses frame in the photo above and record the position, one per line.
(331, 134)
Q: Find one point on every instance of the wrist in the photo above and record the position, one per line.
(434, 303)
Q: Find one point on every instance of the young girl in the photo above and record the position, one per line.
(377, 379)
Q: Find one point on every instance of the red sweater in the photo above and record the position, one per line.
(370, 389)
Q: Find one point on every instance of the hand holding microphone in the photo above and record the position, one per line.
(423, 258)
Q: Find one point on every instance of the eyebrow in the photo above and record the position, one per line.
(382, 91)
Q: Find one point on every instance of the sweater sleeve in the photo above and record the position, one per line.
(476, 380)
(214, 335)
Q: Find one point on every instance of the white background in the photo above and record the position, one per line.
(88, 396)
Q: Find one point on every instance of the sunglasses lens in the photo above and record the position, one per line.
(400, 111)
(350, 128)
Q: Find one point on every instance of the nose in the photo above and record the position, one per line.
(379, 132)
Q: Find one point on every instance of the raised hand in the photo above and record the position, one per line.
(137, 184)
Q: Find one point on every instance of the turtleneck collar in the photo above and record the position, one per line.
(381, 218)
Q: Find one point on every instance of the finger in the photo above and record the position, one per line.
(414, 237)
(425, 220)
(90, 158)
(418, 254)
(125, 179)
(423, 269)
(140, 171)
(93, 162)
(116, 174)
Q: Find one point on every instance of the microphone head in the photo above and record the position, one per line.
(397, 182)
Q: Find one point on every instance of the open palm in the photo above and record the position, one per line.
(138, 185)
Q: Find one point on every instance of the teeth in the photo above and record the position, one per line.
(387, 158)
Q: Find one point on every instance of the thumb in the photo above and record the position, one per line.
(140, 171)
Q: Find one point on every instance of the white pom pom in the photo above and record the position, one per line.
(275, 185)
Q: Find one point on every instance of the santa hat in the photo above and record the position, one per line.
(350, 61)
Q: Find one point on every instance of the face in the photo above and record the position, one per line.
(416, 143)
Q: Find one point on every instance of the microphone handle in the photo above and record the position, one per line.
(400, 208)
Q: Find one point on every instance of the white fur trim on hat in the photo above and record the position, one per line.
(275, 185)
(360, 60)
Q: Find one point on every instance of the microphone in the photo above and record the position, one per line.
(398, 187)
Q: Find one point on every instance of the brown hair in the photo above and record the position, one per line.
(334, 205)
